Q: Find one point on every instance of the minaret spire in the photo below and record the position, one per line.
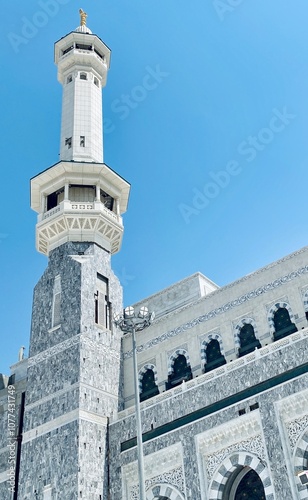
(73, 373)
(80, 198)
(83, 61)
(83, 17)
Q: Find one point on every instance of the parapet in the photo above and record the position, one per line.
(182, 293)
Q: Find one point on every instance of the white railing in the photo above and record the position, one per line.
(87, 206)
(51, 212)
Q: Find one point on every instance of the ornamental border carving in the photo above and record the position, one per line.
(236, 282)
(295, 429)
(173, 478)
(221, 310)
(254, 445)
(54, 350)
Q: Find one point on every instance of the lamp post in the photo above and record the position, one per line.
(130, 322)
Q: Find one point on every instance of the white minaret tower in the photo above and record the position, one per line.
(80, 198)
(83, 61)
(73, 375)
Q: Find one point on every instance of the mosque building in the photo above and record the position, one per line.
(221, 374)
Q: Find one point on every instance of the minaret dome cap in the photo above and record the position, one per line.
(83, 29)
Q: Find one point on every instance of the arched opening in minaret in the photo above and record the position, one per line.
(54, 199)
(79, 193)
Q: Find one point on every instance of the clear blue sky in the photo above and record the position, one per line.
(216, 153)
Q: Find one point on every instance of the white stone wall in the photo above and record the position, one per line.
(82, 116)
(204, 420)
(220, 313)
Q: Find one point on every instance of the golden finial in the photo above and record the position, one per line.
(83, 17)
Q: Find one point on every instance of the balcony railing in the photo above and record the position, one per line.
(67, 206)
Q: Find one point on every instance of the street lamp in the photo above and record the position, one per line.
(130, 322)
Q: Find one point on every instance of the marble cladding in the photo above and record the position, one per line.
(282, 482)
(73, 374)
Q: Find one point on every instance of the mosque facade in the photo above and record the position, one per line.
(221, 372)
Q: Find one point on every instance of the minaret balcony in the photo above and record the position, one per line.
(79, 221)
(58, 195)
(89, 207)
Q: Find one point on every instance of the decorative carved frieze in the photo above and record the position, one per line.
(241, 435)
(164, 466)
(221, 310)
(174, 477)
(53, 351)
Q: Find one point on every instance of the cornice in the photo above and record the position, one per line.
(255, 293)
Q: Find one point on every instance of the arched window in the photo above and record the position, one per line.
(181, 371)
(96, 81)
(83, 76)
(148, 385)
(248, 341)
(282, 323)
(244, 484)
(213, 355)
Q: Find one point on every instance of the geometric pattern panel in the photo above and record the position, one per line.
(68, 225)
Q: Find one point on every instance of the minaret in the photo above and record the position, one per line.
(74, 357)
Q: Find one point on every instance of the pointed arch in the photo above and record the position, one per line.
(173, 357)
(230, 464)
(148, 384)
(287, 325)
(163, 492)
(212, 352)
(205, 343)
(179, 368)
(237, 329)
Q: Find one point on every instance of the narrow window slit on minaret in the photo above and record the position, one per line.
(56, 303)
(83, 76)
(82, 141)
(102, 304)
(68, 142)
(69, 79)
